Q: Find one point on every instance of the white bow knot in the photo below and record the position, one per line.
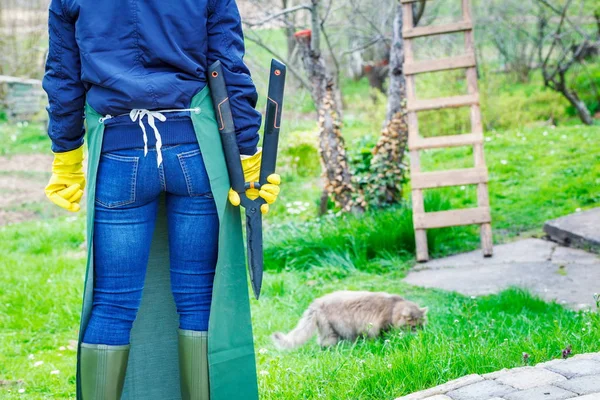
(138, 115)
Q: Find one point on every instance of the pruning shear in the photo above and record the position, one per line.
(220, 98)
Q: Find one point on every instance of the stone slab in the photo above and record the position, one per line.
(578, 230)
(587, 356)
(552, 380)
(441, 389)
(481, 390)
(499, 373)
(567, 255)
(529, 377)
(526, 250)
(573, 285)
(582, 385)
(547, 364)
(553, 272)
(541, 393)
(593, 396)
(576, 367)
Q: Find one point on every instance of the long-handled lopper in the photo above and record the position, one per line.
(222, 107)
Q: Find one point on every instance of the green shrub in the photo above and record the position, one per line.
(511, 111)
(444, 122)
(367, 242)
(360, 153)
(506, 105)
(340, 240)
(586, 82)
(299, 155)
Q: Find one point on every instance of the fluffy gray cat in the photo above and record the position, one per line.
(349, 314)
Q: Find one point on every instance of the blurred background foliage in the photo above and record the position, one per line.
(356, 37)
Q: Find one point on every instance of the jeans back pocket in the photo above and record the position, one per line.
(116, 182)
(194, 172)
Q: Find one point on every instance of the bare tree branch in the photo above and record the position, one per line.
(330, 48)
(290, 67)
(367, 19)
(418, 12)
(554, 69)
(365, 46)
(558, 11)
(556, 37)
(326, 16)
(315, 43)
(279, 14)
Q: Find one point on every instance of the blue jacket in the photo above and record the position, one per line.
(143, 54)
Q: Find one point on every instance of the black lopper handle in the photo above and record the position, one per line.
(220, 98)
(272, 120)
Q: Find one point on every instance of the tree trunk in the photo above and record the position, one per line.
(338, 179)
(336, 174)
(582, 110)
(376, 74)
(558, 83)
(397, 85)
(289, 30)
(387, 172)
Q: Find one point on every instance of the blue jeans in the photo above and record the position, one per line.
(127, 195)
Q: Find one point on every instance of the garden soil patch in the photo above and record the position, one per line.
(22, 181)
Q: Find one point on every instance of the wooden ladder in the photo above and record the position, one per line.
(427, 180)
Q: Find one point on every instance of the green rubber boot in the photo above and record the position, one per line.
(193, 365)
(103, 371)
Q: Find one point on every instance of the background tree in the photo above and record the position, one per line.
(336, 174)
(388, 170)
(365, 30)
(22, 31)
(563, 44)
(509, 26)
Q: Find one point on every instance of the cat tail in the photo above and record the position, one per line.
(300, 334)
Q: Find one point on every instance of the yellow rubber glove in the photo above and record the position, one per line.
(268, 191)
(66, 185)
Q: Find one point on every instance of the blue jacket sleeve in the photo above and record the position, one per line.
(226, 44)
(62, 82)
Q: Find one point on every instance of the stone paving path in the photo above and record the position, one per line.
(554, 272)
(575, 378)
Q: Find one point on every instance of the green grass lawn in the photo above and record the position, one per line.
(549, 173)
(23, 138)
(463, 336)
(536, 173)
(42, 269)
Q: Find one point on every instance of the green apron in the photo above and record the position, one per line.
(153, 369)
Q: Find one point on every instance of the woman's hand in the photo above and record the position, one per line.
(66, 185)
(268, 191)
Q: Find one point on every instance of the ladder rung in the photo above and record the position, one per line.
(455, 177)
(446, 141)
(443, 64)
(437, 29)
(445, 102)
(441, 219)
